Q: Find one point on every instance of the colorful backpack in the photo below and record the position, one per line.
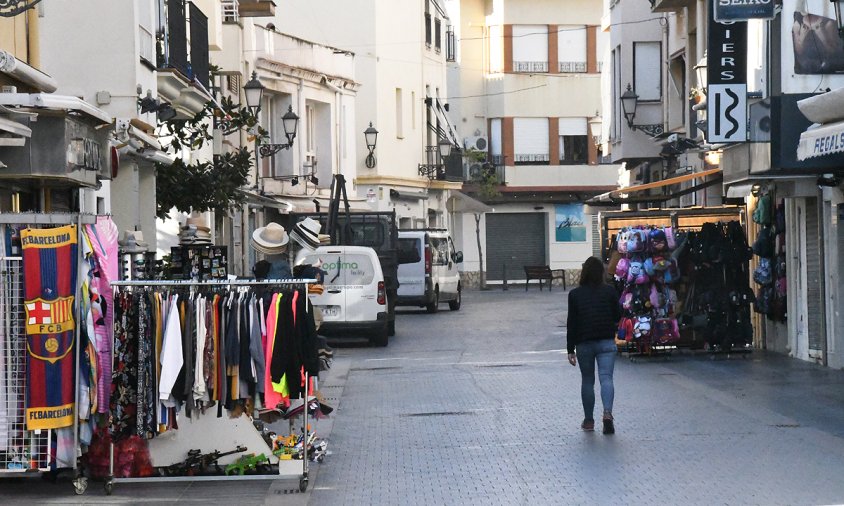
(657, 243)
(637, 241)
(641, 327)
(763, 273)
(666, 330)
(636, 273)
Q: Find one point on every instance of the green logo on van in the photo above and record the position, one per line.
(331, 266)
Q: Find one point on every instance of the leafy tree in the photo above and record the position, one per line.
(205, 185)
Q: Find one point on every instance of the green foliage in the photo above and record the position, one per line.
(487, 181)
(205, 185)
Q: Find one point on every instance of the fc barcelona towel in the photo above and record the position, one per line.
(49, 263)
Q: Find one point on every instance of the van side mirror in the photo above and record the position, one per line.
(409, 256)
(458, 257)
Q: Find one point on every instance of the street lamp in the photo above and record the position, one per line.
(595, 124)
(371, 136)
(290, 121)
(254, 92)
(837, 4)
(445, 148)
(629, 103)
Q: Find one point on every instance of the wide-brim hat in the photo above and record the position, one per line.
(306, 233)
(271, 239)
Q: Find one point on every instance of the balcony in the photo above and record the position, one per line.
(256, 9)
(566, 67)
(530, 66)
(182, 75)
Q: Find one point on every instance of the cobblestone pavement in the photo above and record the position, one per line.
(479, 406)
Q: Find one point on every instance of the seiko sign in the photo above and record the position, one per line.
(742, 10)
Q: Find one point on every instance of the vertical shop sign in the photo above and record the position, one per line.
(727, 82)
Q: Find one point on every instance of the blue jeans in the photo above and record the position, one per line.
(588, 353)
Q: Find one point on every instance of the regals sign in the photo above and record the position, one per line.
(742, 10)
(726, 94)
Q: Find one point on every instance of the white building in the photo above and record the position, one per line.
(527, 94)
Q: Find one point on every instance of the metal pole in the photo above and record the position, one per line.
(505, 276)
(76, 313)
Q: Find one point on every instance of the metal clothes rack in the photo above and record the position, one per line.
(283, 465)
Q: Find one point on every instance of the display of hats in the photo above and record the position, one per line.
(195, 231)
(306, 233)
(133, 242)
(271, 239)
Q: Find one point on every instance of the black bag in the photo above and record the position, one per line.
(764, 244)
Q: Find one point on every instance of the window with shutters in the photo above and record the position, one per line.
(647, 70)
(428, 34)
(438, 35)
(571, 48)
(530, 48)
(574, 141)
(530, 141)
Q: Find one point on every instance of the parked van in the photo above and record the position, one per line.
(433, 278)
(354, 299)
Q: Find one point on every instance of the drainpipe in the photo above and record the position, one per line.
(700, 30)
(338, 104)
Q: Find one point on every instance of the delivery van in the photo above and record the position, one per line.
(433, 278)
(354, 297)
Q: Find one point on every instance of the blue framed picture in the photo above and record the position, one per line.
(570, 225)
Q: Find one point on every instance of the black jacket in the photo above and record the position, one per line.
(594, 312)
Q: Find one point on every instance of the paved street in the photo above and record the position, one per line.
(480, 407)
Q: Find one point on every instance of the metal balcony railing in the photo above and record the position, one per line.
(173, 42)
(450, 55)
(199, 61)
(572, 66)
(231, 11)
(432, 169)
(526, 158)
(530, 66)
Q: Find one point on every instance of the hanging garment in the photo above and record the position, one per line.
(5, 336)
(103, 237)
(124, 394)
(272, 398)
(171, 354)
(49, 262)
(200, 394)
(255, 344)
(146, 383)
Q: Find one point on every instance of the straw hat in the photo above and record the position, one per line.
(306, 233)
(271, 239)
(197, 222)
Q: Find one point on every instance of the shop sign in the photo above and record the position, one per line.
(742, 10)
(85, 153)
(727, 82)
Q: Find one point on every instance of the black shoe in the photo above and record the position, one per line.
(609, 426)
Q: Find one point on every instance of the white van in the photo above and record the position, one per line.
(434, 277)
(354, 299)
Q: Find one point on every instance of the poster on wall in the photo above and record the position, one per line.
(817, 47)
(570, 225)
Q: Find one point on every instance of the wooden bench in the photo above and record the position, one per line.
(542, 273)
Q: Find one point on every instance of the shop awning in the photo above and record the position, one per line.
(821, 140)
(459, 202)
(614, 197)
(665, 182)
(737, 191)
(13, 133)
(258, 200)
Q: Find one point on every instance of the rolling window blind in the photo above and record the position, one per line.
(571, 48)
(530, 139)
(572, 126)
(647, 70)
(530, 43)
(495, 137)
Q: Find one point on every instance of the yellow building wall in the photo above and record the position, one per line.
(13, 36)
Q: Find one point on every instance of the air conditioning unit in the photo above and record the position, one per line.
(472, 171)
(476, 142)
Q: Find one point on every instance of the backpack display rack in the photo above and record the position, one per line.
(219, 429)
(703, 302)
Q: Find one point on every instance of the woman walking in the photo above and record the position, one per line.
(592, 321)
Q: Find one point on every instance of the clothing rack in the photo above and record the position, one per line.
(286, 468)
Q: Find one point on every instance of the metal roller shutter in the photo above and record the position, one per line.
(813, 277)
(514, 239)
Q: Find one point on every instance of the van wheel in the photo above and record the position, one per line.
(434, 306)
(381, 338)
(454, 305)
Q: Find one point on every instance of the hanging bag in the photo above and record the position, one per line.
(762, 213)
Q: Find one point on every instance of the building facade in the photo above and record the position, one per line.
(526, 94)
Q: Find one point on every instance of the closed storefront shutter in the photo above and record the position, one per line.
(813, 277)
(514, 239)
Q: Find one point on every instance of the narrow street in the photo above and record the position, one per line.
(479, 406)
